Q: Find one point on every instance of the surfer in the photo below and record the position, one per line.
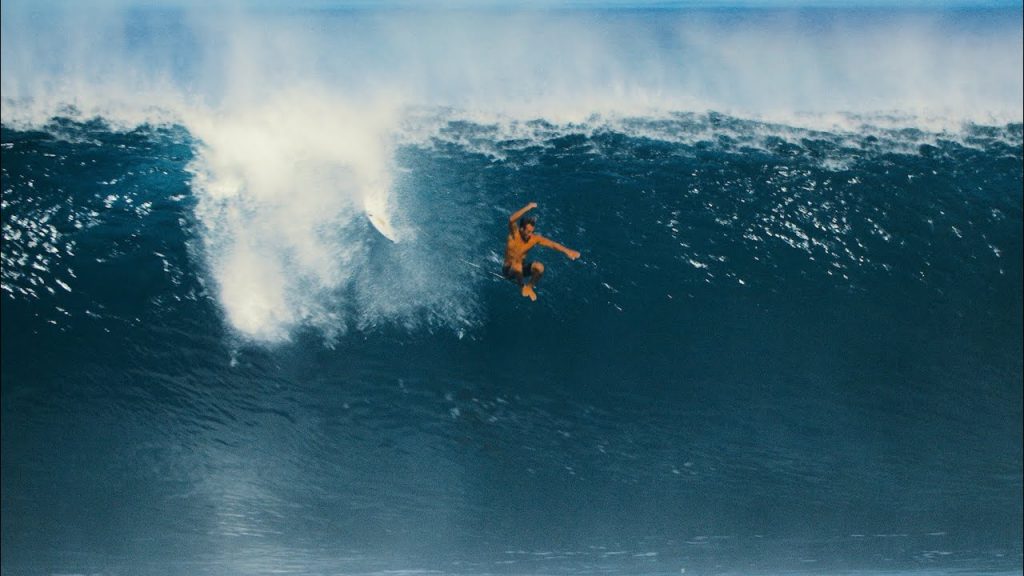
(520, 239)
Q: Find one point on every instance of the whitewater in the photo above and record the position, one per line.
(253, 318)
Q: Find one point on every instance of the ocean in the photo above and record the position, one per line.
(792, 343)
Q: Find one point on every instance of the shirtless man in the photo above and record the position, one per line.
(520, 239)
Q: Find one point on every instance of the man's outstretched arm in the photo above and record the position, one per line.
(519, 214)
(547, 242)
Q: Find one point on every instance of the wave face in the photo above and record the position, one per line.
(792, 343)
(780, 346)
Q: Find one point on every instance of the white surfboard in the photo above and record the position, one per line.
(382, 225)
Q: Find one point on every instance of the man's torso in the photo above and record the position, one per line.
(516, 249)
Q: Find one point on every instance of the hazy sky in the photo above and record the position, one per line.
(546, 3)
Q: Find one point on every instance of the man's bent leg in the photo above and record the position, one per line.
(536, 271)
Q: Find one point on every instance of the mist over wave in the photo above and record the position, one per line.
(961, 64)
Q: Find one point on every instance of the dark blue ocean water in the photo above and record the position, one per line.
(800, 354)
(792, 344)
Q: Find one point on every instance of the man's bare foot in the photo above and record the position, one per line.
(529, 293)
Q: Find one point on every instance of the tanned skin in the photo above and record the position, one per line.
(520, 240)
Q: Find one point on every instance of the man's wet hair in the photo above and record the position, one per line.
(527, 220)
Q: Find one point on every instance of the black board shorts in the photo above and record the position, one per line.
(509, 273)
